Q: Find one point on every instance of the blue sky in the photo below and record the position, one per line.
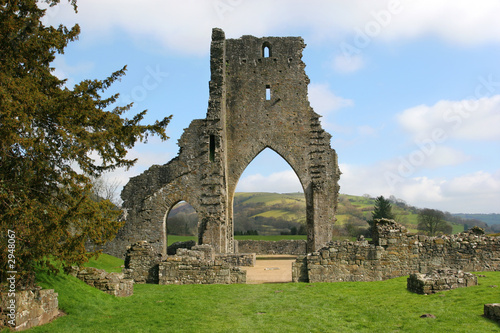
(409, 90)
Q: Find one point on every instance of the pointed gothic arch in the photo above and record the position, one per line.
(165, 227)
(252, 161)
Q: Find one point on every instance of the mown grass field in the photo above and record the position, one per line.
(382, 306)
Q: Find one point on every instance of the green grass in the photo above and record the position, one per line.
(270, 198)
(174, 239)
(106, 262)
(383, 306)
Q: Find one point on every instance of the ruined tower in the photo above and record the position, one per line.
(258, 99)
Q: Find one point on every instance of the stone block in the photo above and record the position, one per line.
(492, 311)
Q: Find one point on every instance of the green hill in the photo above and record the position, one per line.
(285, 213)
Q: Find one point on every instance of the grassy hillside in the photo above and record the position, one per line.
(285, 213)
(382, 306)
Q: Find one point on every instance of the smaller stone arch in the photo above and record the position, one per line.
(165, 224)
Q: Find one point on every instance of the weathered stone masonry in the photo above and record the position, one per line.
(396, 253)
(199, 265)
(33, 308)
(258, 100)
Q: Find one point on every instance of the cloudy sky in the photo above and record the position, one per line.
(409, 90)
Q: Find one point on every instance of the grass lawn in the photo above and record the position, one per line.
(382, 306)
(106, 262)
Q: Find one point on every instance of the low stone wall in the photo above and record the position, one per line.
(294, 247)
(198, 266)
(440, 280)
(111, 283)
(395, 253)
(32, 308)
(236, 259)
(141, 263)
(492, 311)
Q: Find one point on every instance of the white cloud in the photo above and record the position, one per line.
(477, 183)
(280, 182)
(445, 156)
(478, 192)
(348, 63)
(65, 71)
(185, 26)
(469, 119)
(324, 101)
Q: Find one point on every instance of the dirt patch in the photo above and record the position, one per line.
(270, 269)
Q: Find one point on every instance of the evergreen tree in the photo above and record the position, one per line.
(46, 130)
(382, 209)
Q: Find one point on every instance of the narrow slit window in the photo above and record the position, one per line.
(212, 148)
(268, 93)
(266, 50)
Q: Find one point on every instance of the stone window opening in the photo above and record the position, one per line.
(266, 50)
(268, 92)
(212, 148)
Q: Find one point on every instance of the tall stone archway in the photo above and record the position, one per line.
(258, 99)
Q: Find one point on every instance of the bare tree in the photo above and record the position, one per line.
(432, 221)
(106, 189)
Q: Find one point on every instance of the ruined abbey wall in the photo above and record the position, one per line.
(258, 100)
(396, 253)
(284, 246)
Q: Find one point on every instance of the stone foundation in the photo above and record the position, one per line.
(198, 266)
(292, 247)
(492, 311)
(33, 308)
(237, 259)
(111, 283)
(440, 280)
(141, 263)
(395, 253)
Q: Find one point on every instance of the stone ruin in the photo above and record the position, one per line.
(33, 308)
(198, 265)
(394, 252)
(258, 100)
(111, 283)
(440, 280)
